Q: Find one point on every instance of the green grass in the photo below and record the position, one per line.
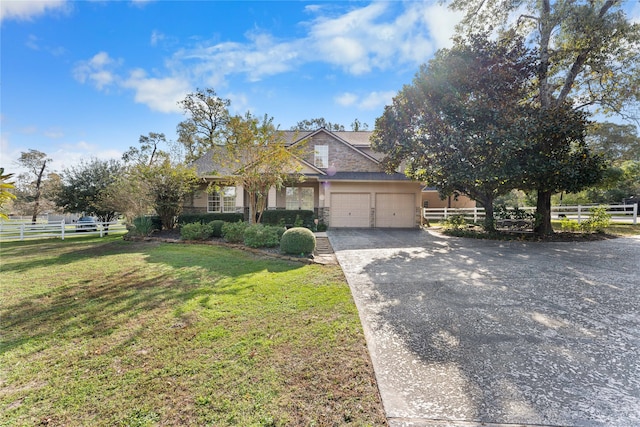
(101, 331)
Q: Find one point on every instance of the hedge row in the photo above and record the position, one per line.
(208, 217)
(298, 218)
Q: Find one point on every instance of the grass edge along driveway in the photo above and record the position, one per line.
(109, 332)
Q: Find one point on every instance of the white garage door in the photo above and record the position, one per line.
(350, 210)
(395, 210)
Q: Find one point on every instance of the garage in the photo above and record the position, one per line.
(395, 210)
(350, 210)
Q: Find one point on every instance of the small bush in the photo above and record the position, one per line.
(298, 241)
(216, 227)
(455, 222)
(233, 232)
(196, 231)
(143, 226)
(322, 226)
(262, 236)
(598, 221)
(569, 224)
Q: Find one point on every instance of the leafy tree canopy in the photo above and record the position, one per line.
(588, 53)
(82, 187)
(458, 126)
(257, 153)
(207, 114)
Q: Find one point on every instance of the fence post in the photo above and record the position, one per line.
(475, 214)
(579, 213)
(635, 213)
(445, 213)
(63, 226)
(22, 232)
(101, 225)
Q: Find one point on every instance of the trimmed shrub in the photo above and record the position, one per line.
(295, 217)
(143, 226)
(209, 217)
(216, 227)
(298, 241)
(196, 231)
(262, 236)
(233, 232)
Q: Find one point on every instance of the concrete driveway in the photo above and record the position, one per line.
(467, 332)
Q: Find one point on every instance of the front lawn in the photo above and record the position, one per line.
(101, 331)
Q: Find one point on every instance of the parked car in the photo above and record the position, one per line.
(86, 223)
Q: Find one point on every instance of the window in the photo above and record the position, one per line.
(322, 156)
(300, 198)
(222, 201)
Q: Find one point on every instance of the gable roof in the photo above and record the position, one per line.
(353, 140)
(206, 166)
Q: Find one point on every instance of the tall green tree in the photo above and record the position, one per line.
(160, 182)
(82, 187)
(207, 115)
(257, 157)
(618, 143)
(557, 157)
(588, 53)
(35, 162)
(458, 126)
(168, 185)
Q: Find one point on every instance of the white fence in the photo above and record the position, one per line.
(21, 230)
(619, 213)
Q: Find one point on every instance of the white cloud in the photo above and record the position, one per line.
(441, 22)
(372, 101)
(156, 36)
(376, 100)
(381, 35)
(159, 94)
(99, 70)
(371, 37)
(28, 10)
(346, 99)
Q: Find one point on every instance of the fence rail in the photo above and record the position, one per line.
(23, 230)
(619, 213)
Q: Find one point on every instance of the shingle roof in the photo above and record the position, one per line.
(362, 176)
(205, 165)
(359, 139)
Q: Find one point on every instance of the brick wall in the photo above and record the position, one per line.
(343, 157)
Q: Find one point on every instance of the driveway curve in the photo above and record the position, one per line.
(467, 332)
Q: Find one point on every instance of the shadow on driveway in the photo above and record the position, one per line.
(463, 331)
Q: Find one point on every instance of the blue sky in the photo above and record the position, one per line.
(82, 79)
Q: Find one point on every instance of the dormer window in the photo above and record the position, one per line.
(322, 156)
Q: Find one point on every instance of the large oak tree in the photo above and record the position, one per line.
(458, 126)
(588, 53)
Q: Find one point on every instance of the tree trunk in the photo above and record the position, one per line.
(252, 207)
(36, 204)
(543, 213)
(489, 221)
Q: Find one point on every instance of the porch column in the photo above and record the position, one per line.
(239, 198)
(272, 198)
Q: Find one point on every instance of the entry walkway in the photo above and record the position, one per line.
(468, 332)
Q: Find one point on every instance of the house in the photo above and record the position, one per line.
(344, 184)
